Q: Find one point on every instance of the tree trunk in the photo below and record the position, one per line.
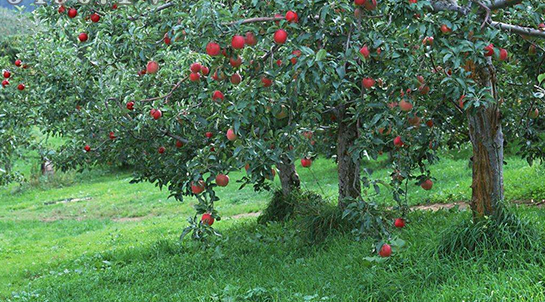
(349, 168)
(486, 136)
(288, 176)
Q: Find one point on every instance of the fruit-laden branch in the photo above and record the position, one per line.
(450, 6)
(255, 20)
(526, 31)
(176, 137)
(497, 4)
(158, 9)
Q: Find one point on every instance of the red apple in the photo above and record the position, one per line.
(534, 114)
(250, 39)
(365, 51)
(280, 36)
(424, 89)
(156, 114)
(235, 62)
(7, 74)
(179, 144)
(359, 2)
(204, 70)
(112, 135)
(385, 250)
(306, 162)
(114, 6)
(18, 63)
(194, 77)
(161, 150)
(213, 49)
(428, 41)
(152, 67)
(405, 106)
(368, 83)
(5, 83)
(399, 223)
(237, 42)
(207, 219)
(292, 17)
(398, 142)
(195, 67)
(61, 9)
(87, 148)
(503, 54)
(266, 82)
(21, 87)
(209, 134)
(95, 17)
(489, 50)
(278, 16)
(236, 79)
(197, 188)
(218, 96)
(167, 39)
(370, 4)
(429, 123)
(72, 13)
(279, 63)
(297, 53)
(231, 135)
(427, 185)
(83, 37)
(130, 105)
(445, 29)
(222, 180)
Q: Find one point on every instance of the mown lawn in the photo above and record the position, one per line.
(119, 242)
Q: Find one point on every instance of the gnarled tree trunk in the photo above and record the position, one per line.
(289, 178)
(486, 136)
(349, 168)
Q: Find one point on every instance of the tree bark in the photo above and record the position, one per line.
(289, 179)
(486, 136)
(348, 167)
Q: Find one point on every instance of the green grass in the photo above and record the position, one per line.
(119, 243)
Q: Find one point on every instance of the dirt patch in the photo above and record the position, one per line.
(67, 200)
(531, 203)
(130, 219)
(245, 215)
(441, 206)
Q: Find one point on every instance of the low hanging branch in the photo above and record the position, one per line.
(521, 30)
(498, 4)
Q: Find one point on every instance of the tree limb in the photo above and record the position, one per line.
(255, 20)
(498, 4)
(521, 30)
(158, 9)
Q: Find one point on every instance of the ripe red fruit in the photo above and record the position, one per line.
(385, 250)
(280, 36)
(534, 114)
(218, 96)
(222, 180)
(420, 79)
(503, 54)
(445, 29)
(297, 53)
(236, 79)
(427, 185)
(541, 26)
(292, 17)
(398, 142)
(83, 37)
(5, 83)
(279, 63)
(368, 83)
(306, 162)
(205, 71)
(250, 39)
(195, 67)
(370, 4)
(95, 17)
(18, 63)
(237, 42)
(359, 2)
(194, 77)
(428, 41)
(61, 9)
(413, 1)
(489, 50)
(365, 52)
(7, 74)
(198, 188)
(532, 50)
(235, 62)
(424, 89)
(21, 87)
(209, 134)
(405, 106)
(156, 114)
(429, 123)
(266, 82)
(231, 135)
(161, 150)
(167, 39)
(179, 144)
(114, 6)
(461, 101)
(130, 105)
(72, 13)
(399, 223)
(152, 67)
(213, 49)
(87, 148)
(207, 219)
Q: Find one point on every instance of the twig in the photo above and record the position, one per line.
(168, 95)
(254, 20)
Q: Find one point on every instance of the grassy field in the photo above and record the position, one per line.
(95, 237)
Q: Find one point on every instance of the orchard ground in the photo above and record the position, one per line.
(95, 237)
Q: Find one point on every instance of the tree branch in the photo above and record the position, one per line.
(448, 6)
(498, 4)
(254, 20)
(526, 31)
(158, 9)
